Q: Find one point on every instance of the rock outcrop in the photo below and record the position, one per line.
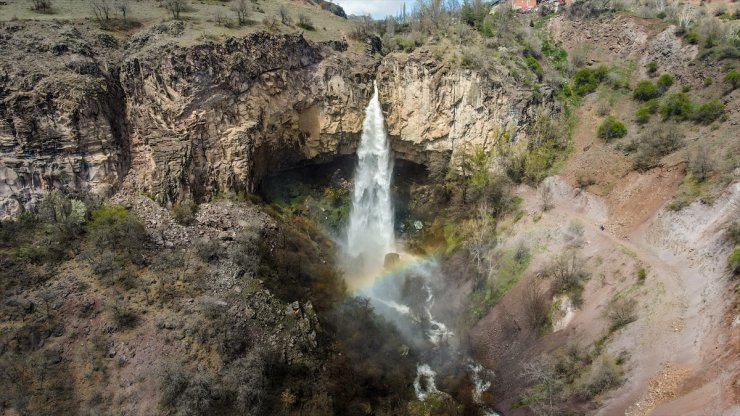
(432, 107)
(62, 115)
(181, 121)
(217, 117)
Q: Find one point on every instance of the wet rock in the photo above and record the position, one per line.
(391, 259)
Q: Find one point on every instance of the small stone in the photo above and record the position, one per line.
(111, 353)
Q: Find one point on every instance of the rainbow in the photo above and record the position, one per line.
(358, 285)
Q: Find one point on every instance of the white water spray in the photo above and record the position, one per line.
(370, 237)
(370, 230)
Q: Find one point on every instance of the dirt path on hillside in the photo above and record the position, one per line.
(680, 324)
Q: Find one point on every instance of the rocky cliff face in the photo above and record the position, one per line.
(432, 107)
(182, 122)
(217, 117)
(62, 115)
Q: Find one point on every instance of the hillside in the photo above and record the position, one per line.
(176, 180)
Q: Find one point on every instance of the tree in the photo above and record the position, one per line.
(102, 9)
(41, 5)
(123, 7)
(482, 236)
(176, 7)
(242, 10)
(700, 164)
(285, 16)
(534, 300)
(541, 371)
(546, 196)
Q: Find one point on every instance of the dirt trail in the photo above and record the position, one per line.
(682, 303)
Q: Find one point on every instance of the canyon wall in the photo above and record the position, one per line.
(85, 113)
(433, 107)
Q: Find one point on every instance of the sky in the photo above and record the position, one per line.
(376, 8)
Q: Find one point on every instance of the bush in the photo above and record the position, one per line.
(733, 79)
(207, 250)
(733, 232)
(642, 115)
(41, 5)
(656, 143)
(534, 65)
(620, 313)
(114, 228)
(692, 37)
(708, 112)
(641, 275)
(124, 316)
(664, 83)
(646, 90)
(567, 273)
(184, 214)
(535, 302)
(652, 67)
(611, 128)
(305, 22)
(604, 375)
(677, 107)
(586, 80)
(733, 262)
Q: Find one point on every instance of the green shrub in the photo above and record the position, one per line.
(733, 231)
(733, 79)
(664, 82)
(677, 107)
(692, 37)
(652, 67)
(641, 275)
(184, 214)
(586, 80)
(604, 376)
(611, 128)
(113, 227)
(708, 112)
(643, 114)
(733, 262)
(645, 91)
(534, 65)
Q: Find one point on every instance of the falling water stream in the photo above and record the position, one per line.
(370, 238)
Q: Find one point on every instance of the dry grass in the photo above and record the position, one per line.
(201, 18)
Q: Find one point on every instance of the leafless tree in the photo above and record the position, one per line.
(542, 371)
(567, 271)
(285, 16)
(176, 7)
(123, 7)
(242, 10)
(41, 5)
(546, 196)
(621, 312)
(534, 300)
(482, 238)
(700, 164)
(102, 9)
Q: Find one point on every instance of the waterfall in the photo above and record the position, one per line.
(370, 228)
(369, 237)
